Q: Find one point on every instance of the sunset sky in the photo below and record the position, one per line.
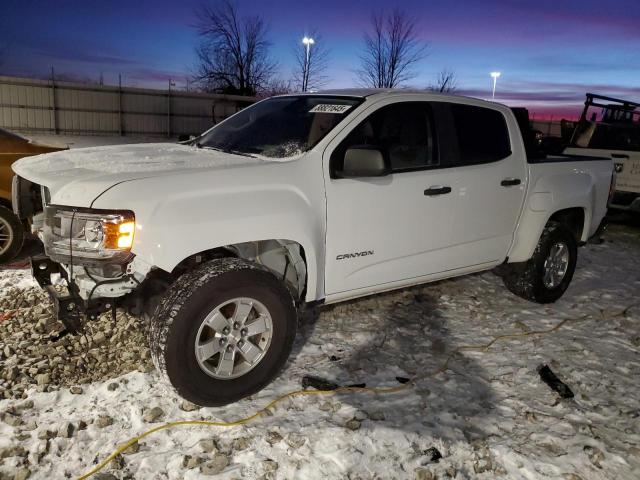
(550, 52)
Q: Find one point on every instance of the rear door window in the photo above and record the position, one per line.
(482, 134)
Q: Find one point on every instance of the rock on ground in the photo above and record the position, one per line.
(35, 354)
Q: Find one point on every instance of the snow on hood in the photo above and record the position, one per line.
(76, 177)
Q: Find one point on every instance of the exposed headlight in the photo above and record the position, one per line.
(97, 235)
(93, 233)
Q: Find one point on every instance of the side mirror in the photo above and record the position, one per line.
(364, 161)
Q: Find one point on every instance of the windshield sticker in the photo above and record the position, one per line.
(327, 108)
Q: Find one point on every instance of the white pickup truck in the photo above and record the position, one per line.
(297, 200)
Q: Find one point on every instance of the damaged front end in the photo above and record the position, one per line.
(69, 308)
(88, 294)
(90, 249)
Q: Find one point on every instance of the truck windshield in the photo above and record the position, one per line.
(279, 127)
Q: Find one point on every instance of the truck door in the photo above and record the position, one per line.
(491, 176)
(386, 229)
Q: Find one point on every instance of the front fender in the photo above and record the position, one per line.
(180, 215)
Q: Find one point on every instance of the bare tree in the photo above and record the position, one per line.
(311, 62)
(233, 54)
(391, 50)
(446, 82)
(276, 86)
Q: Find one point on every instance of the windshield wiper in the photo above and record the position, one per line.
(225, 150)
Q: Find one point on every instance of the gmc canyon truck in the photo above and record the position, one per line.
(299, 200)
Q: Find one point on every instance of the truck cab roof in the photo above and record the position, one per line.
(388, 92)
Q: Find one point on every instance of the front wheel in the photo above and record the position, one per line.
(223, 331)
(547, 274)
(11, 235)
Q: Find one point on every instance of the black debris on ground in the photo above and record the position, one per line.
(550, 378)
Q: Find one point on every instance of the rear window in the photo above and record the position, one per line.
(482, 133)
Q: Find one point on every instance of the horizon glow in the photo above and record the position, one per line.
(550, 53)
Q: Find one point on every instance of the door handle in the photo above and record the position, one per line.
(433, 191)
(510, 182)
(620, 155)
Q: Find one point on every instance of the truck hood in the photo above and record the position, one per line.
(77, 177)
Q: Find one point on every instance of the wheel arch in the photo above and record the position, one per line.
(286, 259)
(573, 218)
(531, 227)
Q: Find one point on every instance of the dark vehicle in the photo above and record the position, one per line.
(12, 148)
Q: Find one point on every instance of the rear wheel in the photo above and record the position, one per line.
(547, 275)
(11, 235)
(223, 331)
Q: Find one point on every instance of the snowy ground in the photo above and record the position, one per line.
(489, 415)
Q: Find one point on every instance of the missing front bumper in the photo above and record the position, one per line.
(71, 309)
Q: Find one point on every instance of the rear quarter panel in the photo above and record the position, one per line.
(555, 186)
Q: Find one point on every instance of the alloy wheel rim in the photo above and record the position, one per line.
(556, 265)
(233, 338)
(6, 235)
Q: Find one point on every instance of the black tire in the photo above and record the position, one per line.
(10, 224)
(526, 279)
(175, 323)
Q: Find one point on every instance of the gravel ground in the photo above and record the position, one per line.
(70, 402)
(34, 353)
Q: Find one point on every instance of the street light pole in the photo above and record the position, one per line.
(171, 84)
(495, 76)
(307, 41)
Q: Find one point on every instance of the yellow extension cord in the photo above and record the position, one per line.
(300, 393)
